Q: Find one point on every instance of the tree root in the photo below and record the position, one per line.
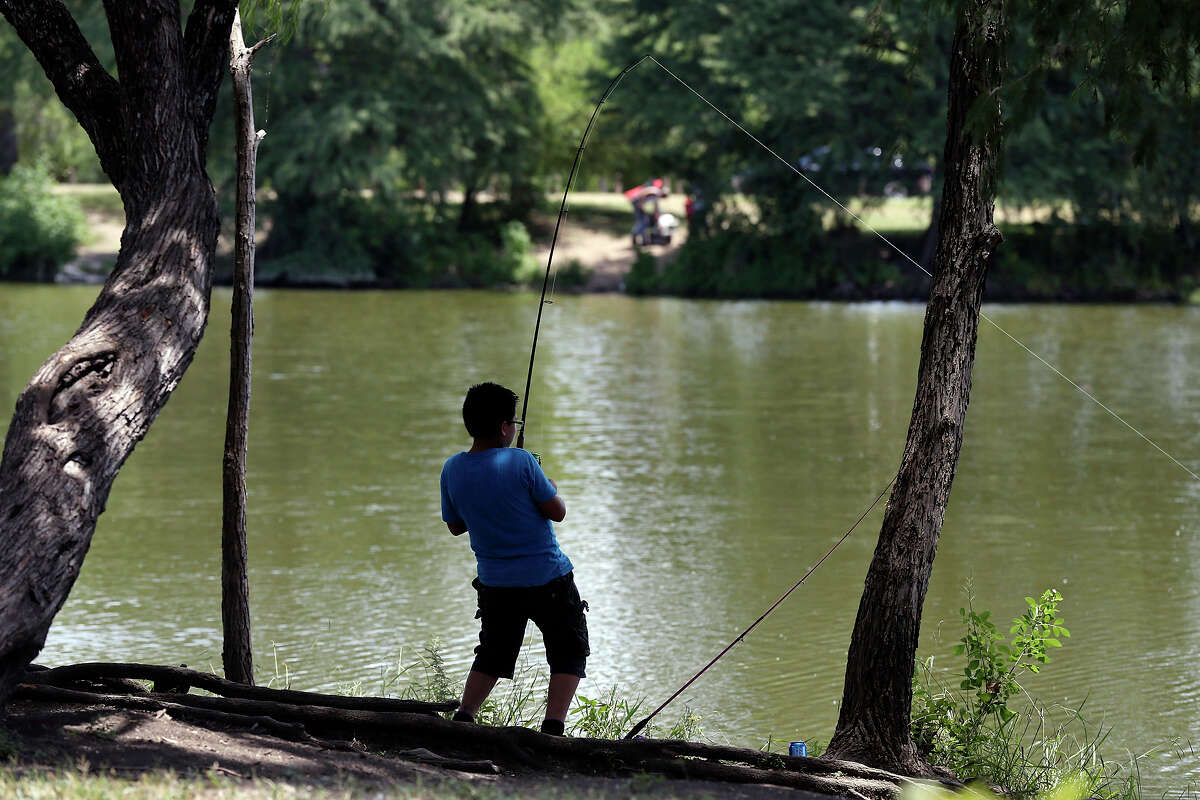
(180, 679)
(416, 731)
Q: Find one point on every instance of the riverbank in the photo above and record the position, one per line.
(1043, 258)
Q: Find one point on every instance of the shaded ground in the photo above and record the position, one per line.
(606, 256)
(130, 744)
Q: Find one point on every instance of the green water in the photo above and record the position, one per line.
(709, 452)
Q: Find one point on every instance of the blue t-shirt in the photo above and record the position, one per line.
(495, 492)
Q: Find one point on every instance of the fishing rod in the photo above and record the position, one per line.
(562, 210)
(638, 728)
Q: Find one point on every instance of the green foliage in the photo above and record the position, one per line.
(516, 261)
(38, 229)
(387, 113)
(977, 729)
(369, 241)
(522, 701)
(606, 718)
(572, 276)
(47, 134)
(1096, 261)
(994, 662)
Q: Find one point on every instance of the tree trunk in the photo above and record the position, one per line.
(468, 214)
(8, 141)
(91, 402)
(236, 654)
(873, 726)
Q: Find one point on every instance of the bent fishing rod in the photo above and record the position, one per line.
(562, 210)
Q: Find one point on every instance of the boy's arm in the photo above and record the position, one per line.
(555, 508)
(450, 514)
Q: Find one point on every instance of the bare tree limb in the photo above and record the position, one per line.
(206, 43)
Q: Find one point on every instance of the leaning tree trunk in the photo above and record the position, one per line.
(235, 583)
(91, 402)
(873, 727)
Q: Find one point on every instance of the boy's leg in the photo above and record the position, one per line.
(562, 691)
(560, 616)
(501, 631)
(479, 686)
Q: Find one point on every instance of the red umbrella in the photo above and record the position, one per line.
(654, 187)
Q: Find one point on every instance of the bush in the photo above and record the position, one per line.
(361, 240)
(1028, 748)
(39, 230)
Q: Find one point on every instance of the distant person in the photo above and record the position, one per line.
(501, 496)
(644, 199)
(694, 207)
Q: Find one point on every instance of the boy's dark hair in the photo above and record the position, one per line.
(487, 406)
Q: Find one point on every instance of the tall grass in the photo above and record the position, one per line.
(522, 701)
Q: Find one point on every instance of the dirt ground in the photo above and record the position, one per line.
(608, 257)
(130, 744)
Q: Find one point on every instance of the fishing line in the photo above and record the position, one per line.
(916, 264)
(543, 301)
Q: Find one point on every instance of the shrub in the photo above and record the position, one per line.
(516, 261)
(1027, 747)
(38, 230)
(359, 240)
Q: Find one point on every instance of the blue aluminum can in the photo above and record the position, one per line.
(798, 749)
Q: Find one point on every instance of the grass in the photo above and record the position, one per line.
(83, 783)
(95, 198)
(520, 702)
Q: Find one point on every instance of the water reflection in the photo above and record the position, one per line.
(709, 453)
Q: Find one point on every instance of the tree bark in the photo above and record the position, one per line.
(873, 726)
(89, 404)
(236, 654)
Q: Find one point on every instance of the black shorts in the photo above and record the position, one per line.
(555, 608)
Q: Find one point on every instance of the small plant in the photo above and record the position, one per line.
(282, 679)
(1031, 749)
(993, 664)
(606, 718)
(687, 727)
(949, 726)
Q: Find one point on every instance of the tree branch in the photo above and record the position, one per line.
(84, 86)
(206, 53)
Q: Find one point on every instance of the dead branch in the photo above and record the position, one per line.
(181, 678)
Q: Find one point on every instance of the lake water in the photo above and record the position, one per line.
(709, 452)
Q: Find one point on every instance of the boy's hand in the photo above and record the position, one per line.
(552, 483)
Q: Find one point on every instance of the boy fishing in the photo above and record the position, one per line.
(500, 495)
